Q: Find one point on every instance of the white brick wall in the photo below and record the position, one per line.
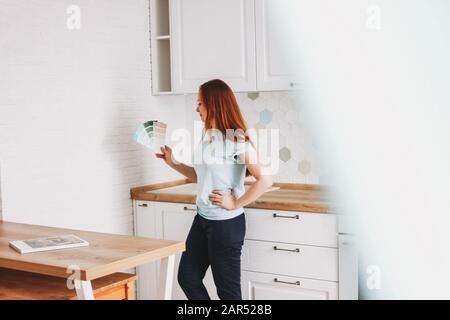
(70, 101)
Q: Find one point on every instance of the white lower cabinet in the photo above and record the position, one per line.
(291, 259)
(171, 221)
(263, 286)
(286, 255)
(177, 221)
(145, 225)
(316, 229)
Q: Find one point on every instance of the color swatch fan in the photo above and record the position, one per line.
(151, 134)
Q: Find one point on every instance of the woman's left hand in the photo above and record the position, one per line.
(226, 201)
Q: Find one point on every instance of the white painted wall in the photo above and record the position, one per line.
(70, 101)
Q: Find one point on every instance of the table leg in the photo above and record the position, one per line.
(84, 290)
(166, 278)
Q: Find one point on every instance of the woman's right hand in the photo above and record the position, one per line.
(166, 155)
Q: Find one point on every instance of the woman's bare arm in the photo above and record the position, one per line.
(262, 183)
(185, 170)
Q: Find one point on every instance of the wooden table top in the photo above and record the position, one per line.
(106, 253)
(290, 196)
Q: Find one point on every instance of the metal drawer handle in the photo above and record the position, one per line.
(290, 250)
(288, 217)
(188, 209)
(297, 283)
(143, 205)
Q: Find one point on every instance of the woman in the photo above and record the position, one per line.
(221, 162)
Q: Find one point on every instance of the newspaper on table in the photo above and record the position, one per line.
(48, 243)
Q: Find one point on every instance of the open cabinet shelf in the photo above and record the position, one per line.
(160, 47)
(166, 37)
(160, 17)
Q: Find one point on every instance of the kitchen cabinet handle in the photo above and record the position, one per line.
(297, 283)
(288, 217)
(143, 205)
(293, 84)
(290, 250)
(188, 209)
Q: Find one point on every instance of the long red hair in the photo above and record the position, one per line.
(222, 107)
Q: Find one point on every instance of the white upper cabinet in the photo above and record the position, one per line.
(275, 41)
(247, 43)
(213, 39)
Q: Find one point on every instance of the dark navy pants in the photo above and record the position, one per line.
(215, 243)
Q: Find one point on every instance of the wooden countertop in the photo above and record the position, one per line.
(106, 253)
(289, 196)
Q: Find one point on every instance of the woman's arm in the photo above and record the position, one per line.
(185, 170)
(262, 183)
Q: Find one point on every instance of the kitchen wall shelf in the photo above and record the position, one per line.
(160, 47)
(160, 17)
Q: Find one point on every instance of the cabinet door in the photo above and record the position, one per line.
(348, 267)
(146, 225)
(213, 39)
(275, 45)
(177, 221)
(262, 286)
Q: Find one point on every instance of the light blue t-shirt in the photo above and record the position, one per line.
(218, 166)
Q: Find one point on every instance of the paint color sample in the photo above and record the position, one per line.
(151, 134)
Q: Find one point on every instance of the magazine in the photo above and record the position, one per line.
(48, 243)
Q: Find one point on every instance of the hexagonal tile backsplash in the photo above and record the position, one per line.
(265, 116)
(285, 154)
(297, 149)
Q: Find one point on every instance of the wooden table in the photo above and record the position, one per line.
(22, 285)
(106, 254)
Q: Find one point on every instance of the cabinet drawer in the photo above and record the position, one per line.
(292, 227)
(262, 286)
(290, 260)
